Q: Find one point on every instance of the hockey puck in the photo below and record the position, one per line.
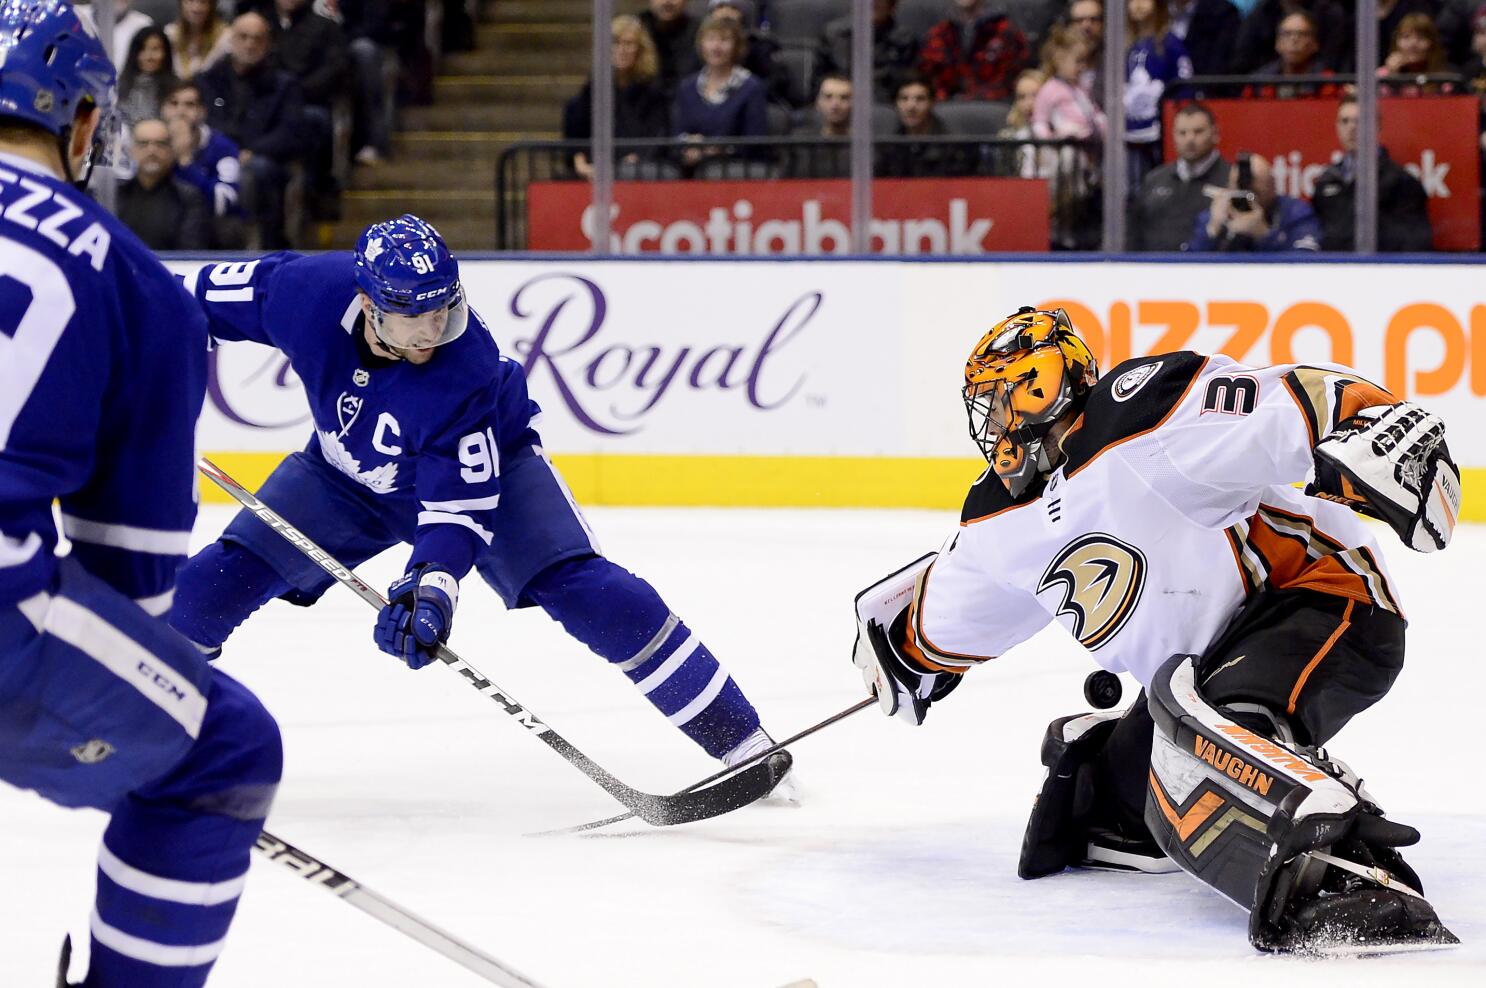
(1102, 689)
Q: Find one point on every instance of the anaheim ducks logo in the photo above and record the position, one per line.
(1101, 579)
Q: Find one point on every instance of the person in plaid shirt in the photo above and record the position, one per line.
(973, 54)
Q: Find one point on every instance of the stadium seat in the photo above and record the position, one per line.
(779, 120)
(884, 119)
(714, 169)
(799, 22)
(917, 16)
(973, 118)
(797, 64)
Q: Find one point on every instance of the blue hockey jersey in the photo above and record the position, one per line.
(102, 376)
(217, 173)
(428, 437)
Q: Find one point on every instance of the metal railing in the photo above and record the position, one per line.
(1070, 167)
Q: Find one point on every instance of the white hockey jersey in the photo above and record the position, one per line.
(1172, 506)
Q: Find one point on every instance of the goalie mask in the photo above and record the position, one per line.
(1030, 373)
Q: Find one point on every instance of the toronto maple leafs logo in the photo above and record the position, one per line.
(381, 480)
(374, 248)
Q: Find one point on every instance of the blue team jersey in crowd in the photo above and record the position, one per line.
(102, 375)
(217, 173)
(430, 437)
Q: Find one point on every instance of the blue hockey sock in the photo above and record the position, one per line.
(621, 618)
(175, 855)
(218, 588)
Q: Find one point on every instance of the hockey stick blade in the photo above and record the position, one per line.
(348, 890)
(659, 811)
(743, 767)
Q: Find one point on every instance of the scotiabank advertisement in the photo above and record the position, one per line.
(1435, 138)
(964, 217)
(833, 365)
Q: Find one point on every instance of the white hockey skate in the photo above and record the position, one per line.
(786, 792)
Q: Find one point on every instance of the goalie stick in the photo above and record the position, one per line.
(348, 890)
(659, 811)
(776, 747)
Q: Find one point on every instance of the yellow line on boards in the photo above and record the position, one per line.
(759, 481)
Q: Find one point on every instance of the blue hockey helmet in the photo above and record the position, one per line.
(405, 269)
(52, 63)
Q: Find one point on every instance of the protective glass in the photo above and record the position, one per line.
(423, 331)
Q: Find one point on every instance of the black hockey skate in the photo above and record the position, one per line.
(1356, 898)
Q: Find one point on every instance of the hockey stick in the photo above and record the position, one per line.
(348, 890)
(743, 765)
(659, 811)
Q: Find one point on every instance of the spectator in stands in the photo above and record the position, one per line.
(148, 75)
(832, 108)
(722, 100)
(975, 53)
(1257, 34)
(761, 47)
(376, 41)
(894, 50)
(1165, 211)
(914, 103)
(1391, 14)
(1416, 51)
(167, 214)
(1086, 18)
(1403, 208)
(640, 108)
(127, 23)
(206, 160)
(1456, 20)
(197, 36)
(1064, 111)
(1155, 60)
(675, 35)
(1299, 55)
(312, 49)
(1022, 161)
(831, 122)
(1208, 28)
(1255, 220)
(259, 108)
(1474, 70)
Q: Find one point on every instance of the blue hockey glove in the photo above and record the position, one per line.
(418, 615)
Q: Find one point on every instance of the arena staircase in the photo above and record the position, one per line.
(530, 57)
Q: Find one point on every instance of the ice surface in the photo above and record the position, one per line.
(898, 870)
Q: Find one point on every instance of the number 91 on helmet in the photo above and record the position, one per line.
(1025, 383)
(411, 279)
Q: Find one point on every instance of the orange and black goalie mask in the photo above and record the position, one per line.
(1030, 373)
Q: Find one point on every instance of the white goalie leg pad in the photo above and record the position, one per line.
(1399, 462)
(880, 605)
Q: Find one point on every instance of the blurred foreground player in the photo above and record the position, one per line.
(102, 374)
(424, 434)
(1150, 512)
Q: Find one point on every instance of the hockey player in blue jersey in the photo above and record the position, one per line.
(102, 375)
(424, 434)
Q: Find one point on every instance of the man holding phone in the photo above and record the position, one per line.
(1250, 216)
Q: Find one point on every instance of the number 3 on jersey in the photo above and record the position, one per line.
(478, 453)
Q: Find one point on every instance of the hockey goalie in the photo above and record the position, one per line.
(1152, 512)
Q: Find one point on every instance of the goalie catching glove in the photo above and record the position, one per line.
(1391, 462)
(900, 685)
(418, 615)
